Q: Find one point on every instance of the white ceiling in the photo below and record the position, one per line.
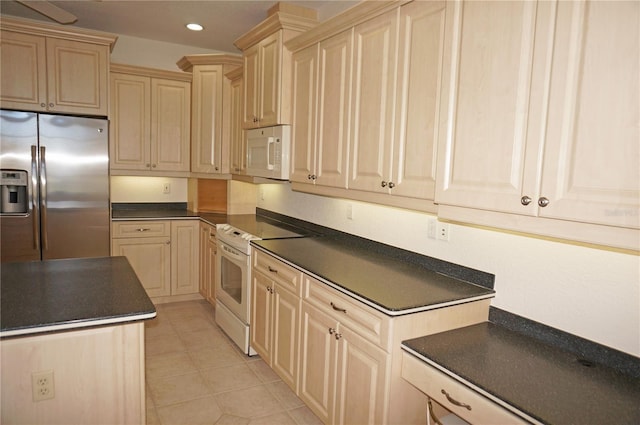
(224, 20)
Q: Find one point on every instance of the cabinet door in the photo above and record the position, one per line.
(130, 131)
(417, 96)
(361, 380)
(77, 77)
(184, 257)
(334, 89)
(286, 319)
(317, 362)
(251, 78)
(238, 145)
(150, 258)
(170, 125)
(212, 250)
(206, 119)
(485, 159)
(23, 70)
(303, 134)
(261, 307)
(374, 65)
(591, 171)
(270, 79)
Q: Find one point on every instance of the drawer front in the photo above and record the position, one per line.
(286, 276)
(365, 321)
(141, 229)
(432, 382)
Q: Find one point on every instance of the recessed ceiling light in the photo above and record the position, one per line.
(195, 27)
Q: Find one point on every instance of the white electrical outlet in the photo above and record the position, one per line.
(443, 231)
(431, 228)
(350, 211)
(166, 188)
(42, 385)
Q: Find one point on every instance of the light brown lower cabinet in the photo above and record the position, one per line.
(163, 253)
(208, 251)
(340, 356)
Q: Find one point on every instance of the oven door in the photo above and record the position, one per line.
(233, 280)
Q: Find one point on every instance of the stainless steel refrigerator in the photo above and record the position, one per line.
(54, 186)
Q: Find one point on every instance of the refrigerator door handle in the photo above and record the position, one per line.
(43, 196)
(35, 206)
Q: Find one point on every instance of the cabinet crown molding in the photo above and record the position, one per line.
(351, 17)
(150, 72)
(279, 20)
(186, 63)
(30, 26)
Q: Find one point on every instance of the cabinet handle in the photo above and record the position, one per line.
(331, 331)
(525, 200)
(311, 176)
(383, 184)
(336, 308)
(143, 229)
(270, 289)
(543, 202)
(454, 401)
(392, 185)
(272, 270)
(338, 336)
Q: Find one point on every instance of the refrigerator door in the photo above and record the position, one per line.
(20, 234)
(74, 186)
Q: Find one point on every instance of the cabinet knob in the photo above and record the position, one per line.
(43, 105)
(383, 184)
(543, 202)
(153, 166)
(51, 105)
(331, 331)
(311, 176)
(392, 185)
(147, 165)
(525, 200)
(338, 336)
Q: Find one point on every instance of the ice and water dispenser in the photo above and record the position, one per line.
(13, 189)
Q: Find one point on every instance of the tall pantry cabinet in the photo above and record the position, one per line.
(539, 116)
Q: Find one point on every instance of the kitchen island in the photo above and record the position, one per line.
(73, 342)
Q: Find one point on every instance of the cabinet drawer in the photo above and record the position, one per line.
(432, 382)
(141, 229)
(286, 276)
(360, 318)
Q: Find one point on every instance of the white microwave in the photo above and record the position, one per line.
(268, 152)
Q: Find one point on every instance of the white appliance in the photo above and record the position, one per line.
(269, 151)
(233, 271)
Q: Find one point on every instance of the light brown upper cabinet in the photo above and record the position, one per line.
(320, 135)
(48, 68)
(267, 64)
(210, 111)
(365, 107)
(539, 119)
(238, 144)
(150, 121)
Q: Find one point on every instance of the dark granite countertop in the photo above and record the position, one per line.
(43, 296)
(549, 384)
(388, 284)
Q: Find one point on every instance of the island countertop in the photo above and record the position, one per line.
(53, 295)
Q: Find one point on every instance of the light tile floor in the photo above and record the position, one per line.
(196, 375)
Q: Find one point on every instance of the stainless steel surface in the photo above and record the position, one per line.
(543, 202)
(525, 200)
(67, 162)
